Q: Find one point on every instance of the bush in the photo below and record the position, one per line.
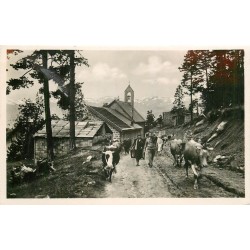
(16, 149)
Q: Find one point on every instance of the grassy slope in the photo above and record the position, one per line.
(72, 179)
(230, 141)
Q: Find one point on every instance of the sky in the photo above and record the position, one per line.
(150, 73)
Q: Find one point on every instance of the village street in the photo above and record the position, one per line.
(133, 181)
(167, 181)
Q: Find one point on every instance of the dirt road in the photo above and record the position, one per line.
(166, 181)
(133, 181)
(73, 179)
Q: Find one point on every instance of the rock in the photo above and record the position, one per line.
(12, 195)
(221, 126)
(91, 183)
(217, 143)
(212, 137)
(222, 160)
(199, 123)
(95, 171)
(89, 158)
(217, 158)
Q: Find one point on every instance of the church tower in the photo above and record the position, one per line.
(129, 95)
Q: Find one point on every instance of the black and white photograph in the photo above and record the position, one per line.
(124, 124)
(87, 123)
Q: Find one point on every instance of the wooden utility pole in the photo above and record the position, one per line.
(50, 153)
(72, 100)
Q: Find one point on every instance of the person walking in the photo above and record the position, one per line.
(159, 145)
(150, 146)
(138, 146)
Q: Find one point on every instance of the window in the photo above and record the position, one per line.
(128, 97)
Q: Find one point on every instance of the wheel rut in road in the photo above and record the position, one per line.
(133, 181)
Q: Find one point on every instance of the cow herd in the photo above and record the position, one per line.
(194, 154)
(187, 153)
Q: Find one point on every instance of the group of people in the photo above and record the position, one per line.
(140, 146)
(151, 144)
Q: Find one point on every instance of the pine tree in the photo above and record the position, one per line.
(28, 122)
(81, 110)
(192, 76)
(159, 120)
(227, 78)
(150, 119)
(205, 66)
(35, 65)
(179, 107)
(178, 101)
(61, 69)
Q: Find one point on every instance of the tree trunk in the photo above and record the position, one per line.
(72, 100)
(191, 96)
(208, 103)
(50, 153)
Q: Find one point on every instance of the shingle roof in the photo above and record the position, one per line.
(124, 119)
(128, 109)
(61, 129)
(113, 118)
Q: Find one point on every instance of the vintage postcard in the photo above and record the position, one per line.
(124, 125)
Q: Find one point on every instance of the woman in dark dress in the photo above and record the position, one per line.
(138, 146)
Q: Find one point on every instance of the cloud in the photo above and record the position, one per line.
(161, 81)
(102, 79)
(153, 66)
(101, 71)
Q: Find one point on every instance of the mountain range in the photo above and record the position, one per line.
(156, 104)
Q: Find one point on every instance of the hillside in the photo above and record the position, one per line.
(75, 178)
(228, 143)
(72, 179)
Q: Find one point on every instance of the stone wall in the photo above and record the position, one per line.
(116, 134)
(40, 150)
(61, 146)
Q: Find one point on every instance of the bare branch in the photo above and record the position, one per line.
(26, 73)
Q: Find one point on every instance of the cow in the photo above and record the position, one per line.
(176, 149)
(195, 155)
(110, 158)
(127, 145)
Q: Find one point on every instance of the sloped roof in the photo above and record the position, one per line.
(123, 118)
(127, 108)
(61, 129)
(113, 118)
